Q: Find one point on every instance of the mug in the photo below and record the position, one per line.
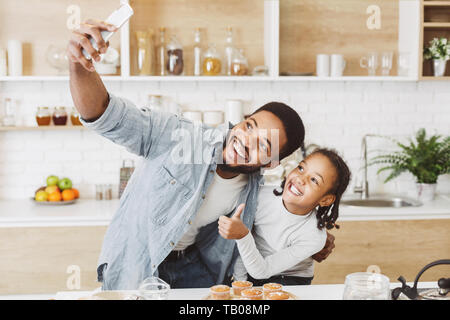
(323, 65)
(370, 62)
(337, 65)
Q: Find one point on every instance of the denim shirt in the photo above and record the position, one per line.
(163, 195)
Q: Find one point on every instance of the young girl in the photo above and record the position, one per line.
(289, 229)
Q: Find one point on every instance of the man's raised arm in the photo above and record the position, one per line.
(88, 92)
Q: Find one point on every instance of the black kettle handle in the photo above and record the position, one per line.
(411, 293)
(428, 266)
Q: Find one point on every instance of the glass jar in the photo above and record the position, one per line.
(60, 116)
(43, 116)
(75, 117)
(175, 62)
(145, 53)
(9, 113)
(366, 286)
(155, 102)
(212, 64)
(239, 63)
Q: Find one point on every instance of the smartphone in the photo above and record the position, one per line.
(118, 18)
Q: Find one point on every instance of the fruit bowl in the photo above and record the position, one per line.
(56, 192)
(54, 203)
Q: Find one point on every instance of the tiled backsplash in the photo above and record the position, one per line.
(336, 114)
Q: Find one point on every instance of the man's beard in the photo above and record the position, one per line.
(238, 169)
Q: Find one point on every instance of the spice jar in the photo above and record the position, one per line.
(212, 64)
(75, 117)
(239, 63)
(60, 116)
(175, 62)
(43, 116)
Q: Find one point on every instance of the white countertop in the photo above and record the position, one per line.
(26, 213)
(312, 292)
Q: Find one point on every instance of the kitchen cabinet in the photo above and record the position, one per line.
(47, 259)
(397, 247)
(282, 35)
(38, 259)
(311, 27)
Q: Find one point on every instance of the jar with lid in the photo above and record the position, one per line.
(155, 102)
(239, 63)
(75, 117)
(175, 64)
(59, 116)
(43, 116)
(212, 63)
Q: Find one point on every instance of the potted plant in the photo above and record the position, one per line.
(439, 52)
(425, 158)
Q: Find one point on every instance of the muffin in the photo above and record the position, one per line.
(238, 286)
(277, 295)
(252, 294)
(220, 292)
(271, 287)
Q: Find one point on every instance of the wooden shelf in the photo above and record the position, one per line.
(42, 128)
(219, 79)
(436, 3)
(436, 24)
(431, 78)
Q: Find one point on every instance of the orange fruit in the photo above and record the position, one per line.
(77, 193)
(55, 196)
(68, 195)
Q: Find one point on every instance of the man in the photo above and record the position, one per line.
(166, 224)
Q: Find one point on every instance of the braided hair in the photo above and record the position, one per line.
(325, 218)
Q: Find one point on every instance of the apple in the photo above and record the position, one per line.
(65, 183)
(52, 181)
(41, 196)
(51, 189)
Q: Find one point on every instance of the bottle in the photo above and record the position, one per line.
(174, 62)
(212, 64)
(197, 53)
(229, 51)
(162, 52)
(145, 52)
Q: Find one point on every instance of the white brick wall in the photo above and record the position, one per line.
(336, 114)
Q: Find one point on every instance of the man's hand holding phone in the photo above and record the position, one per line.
(80, 39)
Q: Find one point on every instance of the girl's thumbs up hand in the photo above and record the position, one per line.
(233, 228)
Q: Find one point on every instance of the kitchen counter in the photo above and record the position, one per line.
(90, 212)
(26, 213)
(312, 292)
